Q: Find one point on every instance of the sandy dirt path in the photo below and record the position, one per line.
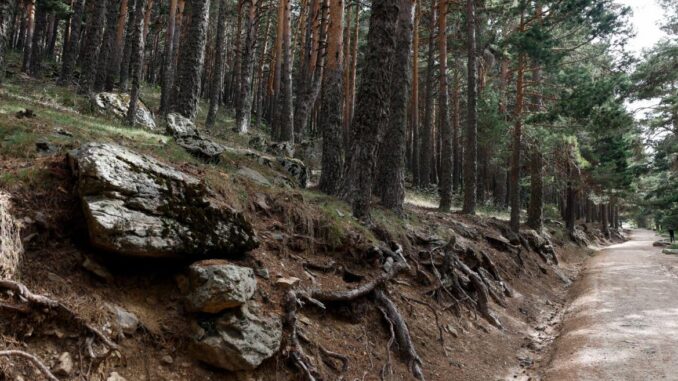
(623, 321)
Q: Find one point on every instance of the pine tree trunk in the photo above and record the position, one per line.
(71, 52)
(137, 59)
(446, 159)
(331, 104)
(426, 146)
(414, 100)
(108, 45)
(92, 44)
(218, 78)
(536, 206)
(285, 98)
(391, 165)
(129, 42)
(6, 19)
(263, 53)
(191, 61)
(371, 111)
(456, 131)
(168, 60)
(276, 77)
(604, 224)
(243, 113)
(570, 206)
(517, 138)
(28, 40)
(53, 34)
(38, 37)
(470, 140)
(113, 68)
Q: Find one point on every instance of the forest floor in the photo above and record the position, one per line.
(297, 227)
(622, 323)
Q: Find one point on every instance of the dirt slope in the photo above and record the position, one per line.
(623, 323)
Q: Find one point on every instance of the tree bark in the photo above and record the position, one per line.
(391, 165)
(113, 69)
(92, 44)
(330, 121)
(536, 207)
(28, 40)
(446, 159)
(243, 112)
(108, 45)
(6, 19)
(71, 52)
(191, 61)
(471, 140)
(285, 98)
(218, 78)
(414, 100)
(129, 41)
(37, 48)
(604, 224)
(137, 59)
(517, 137)
(426, 148)
(371, 111)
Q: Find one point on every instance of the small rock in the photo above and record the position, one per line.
(167, 359)
(262, 272)
(115, 377)
(97, 269)
(254, 176)
(26, 113)
(216, 285)
(287, 282)
(64, 365)
(126, 321)
(670, 251)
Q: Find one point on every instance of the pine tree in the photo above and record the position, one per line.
(218, 80)
(137, 58)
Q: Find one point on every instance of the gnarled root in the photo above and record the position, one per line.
(482, 298)
(402, 333)
(34, 360)
(41, 301)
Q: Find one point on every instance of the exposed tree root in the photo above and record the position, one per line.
(481, 294)
(41, 301)
(33, 359)
(361, 291)
(402, 334)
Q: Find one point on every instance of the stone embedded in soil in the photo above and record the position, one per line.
(216, 285)
(670, 251)
(236, 340)
(125, 321)
(117, 105)
(137, 206)
(178, 125)
(254, 176)
(64, 365)
(287, 282)
(295, 168)
(189, 138)
(114, 376)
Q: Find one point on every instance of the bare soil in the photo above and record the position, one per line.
(622, 323)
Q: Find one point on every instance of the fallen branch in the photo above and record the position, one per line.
(22, 291)
(402, 334)
(38, 364)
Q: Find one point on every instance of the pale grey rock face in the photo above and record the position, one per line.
(236, 340)
(187, 136)
(216, 285)
(116, 105)
(254, 176)
(126, 322)
(138, 206)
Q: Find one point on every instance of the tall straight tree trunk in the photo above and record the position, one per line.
(285, 107)
(535, 210)
(39, 33)
(456, 130)
(414, 99)
(275, 88)
(113, 69)
(445, 185)
(129, 41)
(391, 166)
(91, 46)
(570, 207)
(517, 137)
(28, 40)
(168, 60)
(331, 104)
(312, 83)
(218, 78)
(426, 146)
(604, 223)
(471, 140)
(191, 60)
(71, 52)
(263, 53)
(108, 45)
(371, 111)
(137, 59)
(243, 113)
(6, 20)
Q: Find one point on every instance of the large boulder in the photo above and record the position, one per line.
(138, 206)
(236, 340)
(216, 285)
(189, 138)
(116, 105)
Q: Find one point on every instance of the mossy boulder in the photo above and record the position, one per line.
(138, 206)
